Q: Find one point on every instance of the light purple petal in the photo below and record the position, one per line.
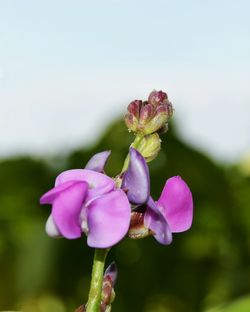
(48, 197)
(112, 272)
(156, 222)
(108, 219)
(177, 204)
(51, 229)
(98, 183)
(66, 209)
(98, 161)
(136, 179)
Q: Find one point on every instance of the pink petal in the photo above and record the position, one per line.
(98, 161)
(108, 219)
(66, 209)
(48, 197)
(98, 183)
(176, 203)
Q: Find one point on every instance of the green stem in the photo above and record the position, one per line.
(135, 144)
(95, 292)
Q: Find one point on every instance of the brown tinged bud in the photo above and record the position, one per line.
(108, 293)
(134, 108)
(146, 114)
(131, 122)
(157, 97)
(148, 117)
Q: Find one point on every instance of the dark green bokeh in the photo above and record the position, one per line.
(204, 267)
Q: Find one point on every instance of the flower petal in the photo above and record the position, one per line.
(98, 183)
(98, 161)
(157, 223)
(48, 197)
(66, 209)
(51, 228)
(177, 204)
(108, 219)
(136, 179)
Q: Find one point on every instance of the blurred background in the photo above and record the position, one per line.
(68, 70)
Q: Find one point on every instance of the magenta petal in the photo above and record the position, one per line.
(48, 197)
(136, 179)
(156, 222)
(98, 161)
(66, 210)
(108, 219)
(177, 204)
(98, 183)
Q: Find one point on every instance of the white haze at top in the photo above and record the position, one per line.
(67, 68)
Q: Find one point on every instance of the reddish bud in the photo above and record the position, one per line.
(157, 97)
(148, 117)
(131, 122)
(134, 108)
(146, 114)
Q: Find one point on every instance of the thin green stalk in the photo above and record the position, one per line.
(95, 292)
(135, 144)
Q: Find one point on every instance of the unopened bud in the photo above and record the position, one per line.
(108, 293)
(150, 146)
(146, 114)
(131, 122)
(135, 107)
(150, 116)
(137, 230)
(157, 97)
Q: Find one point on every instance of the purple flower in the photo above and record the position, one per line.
(84, 200)
(172, 213)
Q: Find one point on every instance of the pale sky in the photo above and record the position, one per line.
(68, 67)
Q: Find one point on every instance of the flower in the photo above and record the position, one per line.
(172, 213)
(149, 116)
(84, 200)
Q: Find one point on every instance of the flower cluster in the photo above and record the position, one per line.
(87, 201)
(149, 116)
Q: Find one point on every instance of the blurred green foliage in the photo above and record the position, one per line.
(204, 268)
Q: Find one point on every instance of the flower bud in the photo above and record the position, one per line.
(146, 114)
(108, 293)
(131, 122)
(134, 108)
(150, 116)
(157, 97)
(150, 146)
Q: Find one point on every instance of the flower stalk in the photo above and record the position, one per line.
(135, 144)
(88, 202)
(95, 292)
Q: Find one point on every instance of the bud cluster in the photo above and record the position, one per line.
(149, 116)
